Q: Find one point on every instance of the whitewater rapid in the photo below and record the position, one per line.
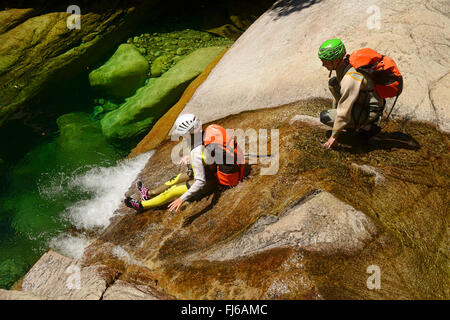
(107, 185)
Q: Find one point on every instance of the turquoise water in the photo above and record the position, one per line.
(60, 180)
(38, 188)
(39, 159)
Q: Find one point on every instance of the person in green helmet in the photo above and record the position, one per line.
(356, 106)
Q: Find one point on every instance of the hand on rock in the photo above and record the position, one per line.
(184, 160)
(175, 205)
(329, 143)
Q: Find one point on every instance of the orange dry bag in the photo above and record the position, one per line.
(228, 155)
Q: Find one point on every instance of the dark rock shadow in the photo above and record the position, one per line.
(216, 196)
(393, 140)
(383, 140)
(286, 7)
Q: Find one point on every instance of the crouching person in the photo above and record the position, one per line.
(209, 170)
(357, 105)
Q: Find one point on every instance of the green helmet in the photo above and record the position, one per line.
(332, 49)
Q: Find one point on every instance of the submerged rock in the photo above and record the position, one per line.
(81, 140)
(122, 74)
(161, 129)
(137, 115)
(159, 66)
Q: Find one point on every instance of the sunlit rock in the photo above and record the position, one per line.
(18, 295)
(122, 74)
(275, 61)
(137, 115)
(57, 277)
(321, 223)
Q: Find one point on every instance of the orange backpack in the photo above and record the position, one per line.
(382, 70)
(230, 170)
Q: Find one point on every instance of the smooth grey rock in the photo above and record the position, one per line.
(122, 290)
(18, 295)
(55, 277)
(321, 223)
(275, 61)
(440, 99)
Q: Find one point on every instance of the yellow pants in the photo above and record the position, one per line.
(168, 192)
(174, 188)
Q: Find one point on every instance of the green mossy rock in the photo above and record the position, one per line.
(98, 110)
(39, 55)
(138, 114)
(122, 74)
(160, 65)
(80, 138)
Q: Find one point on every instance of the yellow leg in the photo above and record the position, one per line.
(170, 194)
(182, 177)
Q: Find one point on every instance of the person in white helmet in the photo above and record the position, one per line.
(184, 186)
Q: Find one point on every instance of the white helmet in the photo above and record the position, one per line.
(186, 123)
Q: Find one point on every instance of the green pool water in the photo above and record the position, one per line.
(53, 161)
(39, 187)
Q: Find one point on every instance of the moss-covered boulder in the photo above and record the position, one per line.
(138, 114)
(81, 139)
(159, 65)
(39, 53)
(122, 74)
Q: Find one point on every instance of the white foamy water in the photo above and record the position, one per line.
(123, 255)
(108, 186)
(70, 246)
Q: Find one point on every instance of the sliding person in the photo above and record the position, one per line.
(216, 162)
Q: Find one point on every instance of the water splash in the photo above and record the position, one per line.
(124, 255)
(106, 187)
(69, 245)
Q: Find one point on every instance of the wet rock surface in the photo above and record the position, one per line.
(286, 240)
(122, 290)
